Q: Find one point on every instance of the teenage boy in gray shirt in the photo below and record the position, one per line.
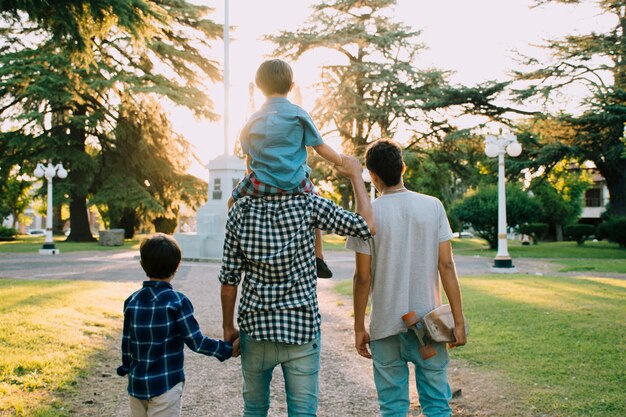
(401, 266)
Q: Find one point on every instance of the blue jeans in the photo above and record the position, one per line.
(391, 356)
(300, 364)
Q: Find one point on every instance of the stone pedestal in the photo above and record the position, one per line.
(112, 237)
(207, 243)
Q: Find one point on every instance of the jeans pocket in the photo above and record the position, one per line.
(305, 358)
(386, 352)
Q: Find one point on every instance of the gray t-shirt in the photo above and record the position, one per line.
(405, 252)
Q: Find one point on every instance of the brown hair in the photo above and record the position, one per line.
(160, 256)
(274, 77)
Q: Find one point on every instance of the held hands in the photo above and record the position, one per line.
(350, 167)
(232, 335)
(361, 342)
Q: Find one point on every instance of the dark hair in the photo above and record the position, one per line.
(160, 256)
(274, 77)
(384, 158)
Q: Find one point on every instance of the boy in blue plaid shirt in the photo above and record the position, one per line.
(158, 321)
(275, 141)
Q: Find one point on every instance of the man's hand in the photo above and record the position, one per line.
(362, 341)
(231, 334)
(236, 348)
(459, 336)
(350, 167)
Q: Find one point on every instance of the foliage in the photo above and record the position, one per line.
(614, 230)
(373, 87)
(60, 87)
(15, 194)
(594, 63)
(534, 230)
(479, 209)
(579, 232)
(144, 175)
(7, 233)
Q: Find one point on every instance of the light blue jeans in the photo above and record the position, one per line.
(300, 365)
(391, 356)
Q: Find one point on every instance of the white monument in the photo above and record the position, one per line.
(207, 243)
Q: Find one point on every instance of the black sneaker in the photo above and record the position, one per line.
(322, 269)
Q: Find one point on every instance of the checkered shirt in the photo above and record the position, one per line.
(270, 242)
(250, 186)
(157, 320)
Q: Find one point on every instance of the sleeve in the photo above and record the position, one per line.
(312, 136)
(244, 139)
(332, 218)
(445, 232)
(232, 258)
(125, 367)
(194, 338)
(356, 244)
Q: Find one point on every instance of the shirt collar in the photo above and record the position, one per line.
(277, 100)
(157, 284)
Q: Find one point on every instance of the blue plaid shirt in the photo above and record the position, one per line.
(157, 320)
(270, 242)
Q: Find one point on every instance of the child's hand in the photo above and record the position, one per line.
(342, 159)
(236, 351)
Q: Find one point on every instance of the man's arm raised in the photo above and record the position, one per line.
(351, 168)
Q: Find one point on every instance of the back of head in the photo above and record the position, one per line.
(160, 256)
(274, 77)
(384, 158)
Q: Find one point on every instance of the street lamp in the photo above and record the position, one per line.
(49, 172)
(498, 146)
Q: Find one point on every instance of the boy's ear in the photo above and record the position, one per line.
(292, 86)
(403, 167)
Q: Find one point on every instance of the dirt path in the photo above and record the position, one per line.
(346, 382)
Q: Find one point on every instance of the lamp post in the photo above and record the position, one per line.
(49, 172)
(498, 146)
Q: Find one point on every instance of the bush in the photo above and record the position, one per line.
(7, 233)
(579, 232)
(614, 230)
(534, 230)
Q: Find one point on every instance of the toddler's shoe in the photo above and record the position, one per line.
(322, 269)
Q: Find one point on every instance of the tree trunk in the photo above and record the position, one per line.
(79, 179)
(616, 183)
(57, 221)
(558, 228)
(127, 221)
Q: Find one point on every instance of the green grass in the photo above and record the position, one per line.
(561, 341)
(592, 250)
(32, 244)
(49, 332)
(596, 265)
(334, 242)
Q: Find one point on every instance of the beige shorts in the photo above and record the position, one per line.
(165, 405)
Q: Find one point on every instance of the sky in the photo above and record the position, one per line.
(476, 39)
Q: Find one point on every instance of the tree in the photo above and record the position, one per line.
(14, 195)
(61, 103)
(374, 85)
(479, 209)
(144, 175)
(597, 63)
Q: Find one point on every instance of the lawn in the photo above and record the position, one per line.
(334, 242)
(591, 250)
(32, 244)
(596, 265)
(561, 341)
(49, 333)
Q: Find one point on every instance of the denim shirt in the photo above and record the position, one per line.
(276, 138)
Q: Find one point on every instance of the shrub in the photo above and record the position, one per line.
(614, 230)
(579, 232)
(7, 233)
(534, 230)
